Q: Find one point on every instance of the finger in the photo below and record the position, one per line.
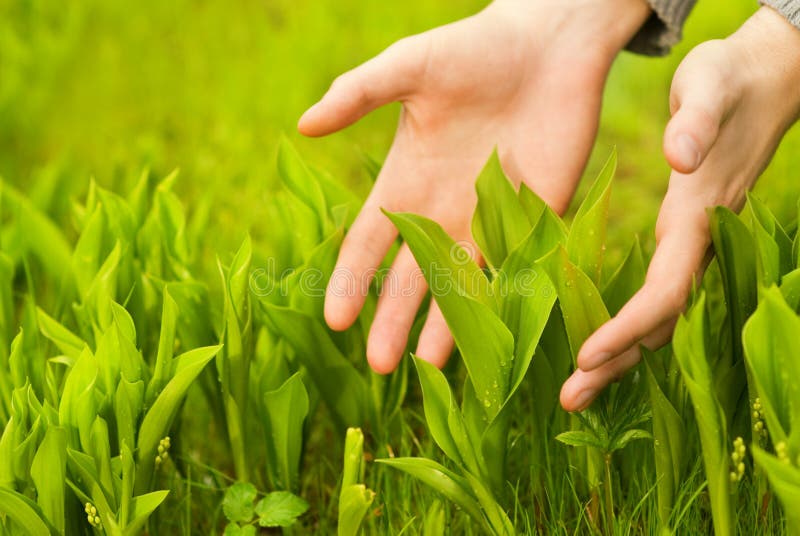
(435, 341)
(386, 78)
(677, 261)
(402, 293)
(582, 387)
(701, 102)
(365, 245)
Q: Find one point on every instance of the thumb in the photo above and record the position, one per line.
(701, 102)
(386, 78)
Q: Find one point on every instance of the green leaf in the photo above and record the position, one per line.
(626, 437)
(785, 480)
(486, 345)
(580, 438)
(142, 508)
(280, 509)
(581, 305)
(36, 233)
(549, 227)
(24, 512)
(669, 445)
(354, 503)
(233, 529)
(587, 236)
(340, 384)
(690, 343)
(285, 410)
(353, 471)
(735, 250)
(239, 502)
(499, 223)
(299, 179)
(64, 339)
(442, 480)
(790, 288)
(526, 296)
(437, 399)
(770, 345)
(48, 473)
(626, 280)
(157, 421)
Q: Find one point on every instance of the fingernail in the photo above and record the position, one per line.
(583, 399)
(689, 151)
(595, 361)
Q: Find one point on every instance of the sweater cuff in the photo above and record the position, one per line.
(664, 27)
(788, 8)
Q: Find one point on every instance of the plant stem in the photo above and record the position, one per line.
(609, 495)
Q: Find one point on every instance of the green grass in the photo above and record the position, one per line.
(98, 89)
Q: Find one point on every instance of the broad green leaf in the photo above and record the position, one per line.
(625, 281)
(790, 288)
(549, 227)
(285, 410)
(128, 480)
(142, 508)
(785, 480)
(437, 399)
(340, 384)
(299, 179)
(306, 285)
(762, 216)
(159, 417)
(37, 233)
(499, 223)
(24, 512)
(669, 445)
(78, 384)
(486, 345)
(770, 345)
(162, 369)
(689, 344)
(448, 268)
(239, 502)
(582, 307)
(526, 298)
(354, 503)
(48, 472)
(495, 514)
(64, 339)
(735, 250)
(587, 236)
(280, 509)
(442, 480)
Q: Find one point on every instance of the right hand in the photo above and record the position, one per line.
(525, 76)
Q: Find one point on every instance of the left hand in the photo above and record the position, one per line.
(731, 101)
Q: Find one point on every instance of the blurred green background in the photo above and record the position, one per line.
(106, 88)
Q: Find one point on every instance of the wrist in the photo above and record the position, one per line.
(601, 27)
(770, 46)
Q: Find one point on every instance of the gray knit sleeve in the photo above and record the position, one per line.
(663, 29)
(788, 8)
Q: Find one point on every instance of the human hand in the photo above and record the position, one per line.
(525, 76)
(731, 103)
